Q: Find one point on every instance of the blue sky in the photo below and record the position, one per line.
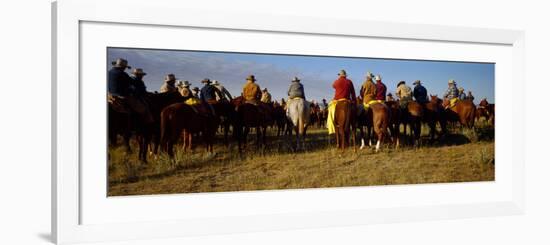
(316, 72)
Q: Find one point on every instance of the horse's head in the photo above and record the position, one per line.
(237, 101)
(434, 99)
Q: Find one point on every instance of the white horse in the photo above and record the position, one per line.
(297, 112)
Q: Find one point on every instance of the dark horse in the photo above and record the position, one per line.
(344, 119)
(251, 116)
(180, 117)
(395, 120)
(434, 113)
(486, 111)
(412, 115)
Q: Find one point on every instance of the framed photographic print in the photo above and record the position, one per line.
(208, 123)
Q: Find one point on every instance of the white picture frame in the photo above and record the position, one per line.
(67, 17)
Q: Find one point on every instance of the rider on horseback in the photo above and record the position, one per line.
(344, 91)
(451, 94)
(420, 93)
(404, 93)
(296, 89)
(225, 95)
(169, 84)
(208, 95)
(123, 94)
(252, 94)
(368, 91)
(380, 89)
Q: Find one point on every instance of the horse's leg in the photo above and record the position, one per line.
(362, 137)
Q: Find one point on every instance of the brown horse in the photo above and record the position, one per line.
(180, 117)
(344, 118)
(380, 121)
(364, 119)
(463, 112)
(434, 113)
(487, 111)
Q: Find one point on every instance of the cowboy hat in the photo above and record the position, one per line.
(196, 89)
(120, 62)
(400, 82)
(184, 84)
(169, 77)
(461, 89)
(250, 78)
(342, 73)
(378, 78)
(370, 75)
(206, 80)
(451, 81)
(215, 82)
(295, 79)
(417, 82)
(138, 71)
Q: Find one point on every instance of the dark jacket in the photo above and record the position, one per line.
(208, 93)
(380, 91)
(420, 94)
(119, 82)
(296, 90)
(138, 86)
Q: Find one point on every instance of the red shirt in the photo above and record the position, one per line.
(380, 91)
(344, 89)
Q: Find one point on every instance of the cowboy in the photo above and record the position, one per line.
(390, 97)
(343, 91)
(470, 96)
(404, 93)
(368, 91)
(452, 91)
(323, 104)
(225, 95)
(195, 92)
(183, 89)
(121, 96)
(343, 87)
(451, 94)
(420, 93)
(138, 86)
(251, 91)
(380, 89)
(208, 94)
(168, 86)
(296, 89)
(461, 94)
(266, 96)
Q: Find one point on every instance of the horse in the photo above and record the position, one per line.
(395, 120)
(412, 116)
(119, 123)
(180, 117)
(486, 110)
(463, 111)
(297, 112)
(344, 118)
(322, 117)
(251, 116)
(279, 116)
(364, 119)
(433, 114)
(380, 121)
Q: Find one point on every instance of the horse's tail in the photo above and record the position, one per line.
(471, 116)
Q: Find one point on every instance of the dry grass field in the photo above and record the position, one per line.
(457, 159)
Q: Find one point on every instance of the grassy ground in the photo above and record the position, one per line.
(277, 166)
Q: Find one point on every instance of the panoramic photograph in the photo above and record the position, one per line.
(188, 121)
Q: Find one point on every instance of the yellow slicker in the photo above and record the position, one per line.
(192, 101)
(330, 117)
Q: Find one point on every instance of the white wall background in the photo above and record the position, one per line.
(25, 122)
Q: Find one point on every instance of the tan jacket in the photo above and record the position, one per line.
(165, 88)
(404, 92)
(266, 97)
(368, 91)
(251, 92)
